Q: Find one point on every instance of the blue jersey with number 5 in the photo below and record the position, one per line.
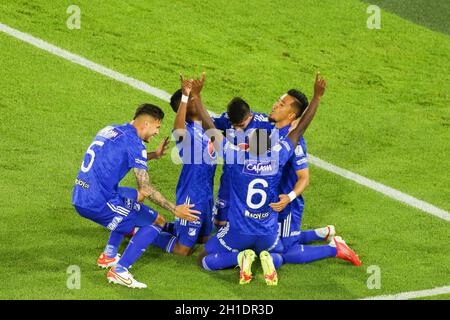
(115, 150)
(254, 185)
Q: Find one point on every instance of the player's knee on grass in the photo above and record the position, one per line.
(182, 250)
(160, 221)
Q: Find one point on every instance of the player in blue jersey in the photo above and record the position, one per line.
(196, 182)
(295, 179)
(255, 176)
(116, 150)
(290, 205)
(236, 124)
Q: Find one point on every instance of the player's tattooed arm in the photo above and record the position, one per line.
(147, 190)
(319, 89)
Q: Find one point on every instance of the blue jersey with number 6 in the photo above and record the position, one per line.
(254, 185)
(115, 150)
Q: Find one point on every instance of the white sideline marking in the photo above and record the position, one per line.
(412, 294)
(388, 191)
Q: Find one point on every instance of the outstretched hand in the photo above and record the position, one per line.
(163, 146)
(280, 205)
(185, 212)
(197, 85)
(186, 85)
(319, 86)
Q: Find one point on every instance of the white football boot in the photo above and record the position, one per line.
(124, 278)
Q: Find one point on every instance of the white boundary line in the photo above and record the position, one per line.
(412, 294)
(142, 86)
(387, 191)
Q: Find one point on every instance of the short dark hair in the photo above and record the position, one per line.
(237, 110)
(149, 109)
(301, 101)
(175, 100)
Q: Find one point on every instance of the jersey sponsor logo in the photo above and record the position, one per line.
(82, 183)
(110, 133)
(255, 167)
(257, 216)
(114, 223)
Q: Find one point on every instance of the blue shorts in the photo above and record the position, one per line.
(188, 232)
(220, 212)
(289, 228)
(121, 214)
(228, 239)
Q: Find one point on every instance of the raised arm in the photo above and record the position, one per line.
(147, 190)
(180, 118)
(207, 122)
(319, 89)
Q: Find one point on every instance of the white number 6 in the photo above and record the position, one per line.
(91, 152)
(252, 191)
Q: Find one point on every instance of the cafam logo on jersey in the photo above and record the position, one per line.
(260, 168)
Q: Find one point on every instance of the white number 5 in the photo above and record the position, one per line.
(91, 152)
(252, 191)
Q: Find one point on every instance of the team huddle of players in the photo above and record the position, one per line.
(259, 205)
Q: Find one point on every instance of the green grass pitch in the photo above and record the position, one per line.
(386, 116)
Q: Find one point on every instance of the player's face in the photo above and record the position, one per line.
(282, 110)
(152, 126)
(243, 124)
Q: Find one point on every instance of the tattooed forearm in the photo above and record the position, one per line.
(150, 192)
(142, 178)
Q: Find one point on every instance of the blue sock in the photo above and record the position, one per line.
(166, 241)
(307, 236)
(140, 241)
(115, 239)
(277, 260)
(170, 228)
(305, 254)
(219, 261)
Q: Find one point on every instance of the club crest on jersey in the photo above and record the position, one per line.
(192, 232)
(260, 168)
(299, 151)
(243, 146)
(211, 151)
